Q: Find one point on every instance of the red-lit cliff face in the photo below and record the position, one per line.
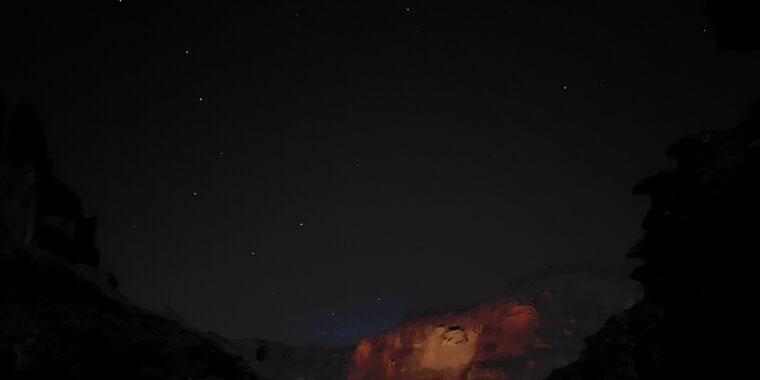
(451, 345)
(539, 328)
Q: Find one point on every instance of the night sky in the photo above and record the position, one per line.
(312, 171)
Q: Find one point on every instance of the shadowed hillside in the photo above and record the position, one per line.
(60, 316)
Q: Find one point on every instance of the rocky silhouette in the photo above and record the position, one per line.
(60, 316)
(38, 209)
(702, 236)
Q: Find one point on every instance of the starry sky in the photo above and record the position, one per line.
(311, 171)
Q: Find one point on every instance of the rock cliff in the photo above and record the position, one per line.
(539, 327)
(60, 316)
(702, 239)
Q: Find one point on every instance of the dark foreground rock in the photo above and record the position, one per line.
(699, 257)
(60, 316)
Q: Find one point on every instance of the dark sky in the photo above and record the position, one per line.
(378, 157)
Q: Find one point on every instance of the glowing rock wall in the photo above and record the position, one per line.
(450, 346)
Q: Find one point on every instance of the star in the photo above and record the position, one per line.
(195, 193)
(408, 10)
(200, 99)
(300, 224)
(187, 51)
(253, 253)
(221, 153)
(564, 87)
(379, 299)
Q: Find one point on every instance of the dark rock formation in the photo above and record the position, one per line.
(61, 317)
(38, 208)
(702, 238)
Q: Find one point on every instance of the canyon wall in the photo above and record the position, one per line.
(539, 327)
(450, 345)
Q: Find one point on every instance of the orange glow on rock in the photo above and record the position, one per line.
(449, 346)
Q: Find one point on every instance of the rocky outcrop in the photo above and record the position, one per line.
(539, 327)
(60, 316)
(37, 208)
(450, 345)
(702, 238)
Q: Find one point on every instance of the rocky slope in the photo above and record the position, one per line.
(60, 316)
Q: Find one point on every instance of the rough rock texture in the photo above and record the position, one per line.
(450, 345)
(537, 329)
(61, 317)
(699, 251)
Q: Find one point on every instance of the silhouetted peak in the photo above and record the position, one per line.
(37, 208)
(701, 237)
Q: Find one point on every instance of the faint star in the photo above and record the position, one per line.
(379, 299)
(134, 225)
(333, 314)
(187, 51)
(564, 87)
(253, 253)
(408, 10)
(300, 224)
(200, 99)
(195, 193)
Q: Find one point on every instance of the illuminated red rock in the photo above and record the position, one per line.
(450, 345)
(540, 327)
